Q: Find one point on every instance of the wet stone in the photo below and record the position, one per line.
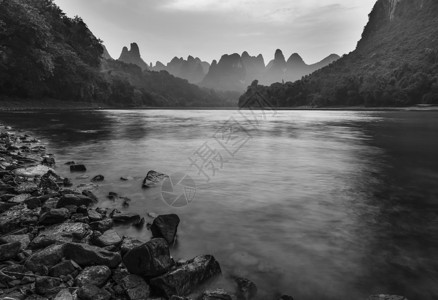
(41, 261)
(108, 238)
(63, 268)
(54, 216)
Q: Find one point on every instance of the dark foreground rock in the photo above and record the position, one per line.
(41, 261)
(165, 226)
(72, 199)
(153, 178)
(62, 233)
(150, 259)
(186, 278)
(246, 289)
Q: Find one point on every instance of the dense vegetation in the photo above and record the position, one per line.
(45, 54)
(395, 64)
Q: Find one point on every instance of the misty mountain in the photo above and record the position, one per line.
(132, 56)
(192, 69)
(235, 72)
(395, 63)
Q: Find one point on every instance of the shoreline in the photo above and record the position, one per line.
(8, 104)
(56, 243)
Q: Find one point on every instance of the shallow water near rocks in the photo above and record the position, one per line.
(315, 204)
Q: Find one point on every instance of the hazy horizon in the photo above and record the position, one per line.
(208, 29)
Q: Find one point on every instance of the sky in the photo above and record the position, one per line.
(208, 29)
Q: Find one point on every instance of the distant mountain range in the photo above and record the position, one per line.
(233, 72)
(395, 64)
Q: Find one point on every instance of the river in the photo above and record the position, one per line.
(315, 204)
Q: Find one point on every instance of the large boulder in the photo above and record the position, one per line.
(87, 255)
(40, 261)
(135, 287)
(54, 216)
(95, 275)
(150, 259)
(73, 199)
(66, 232)
(165, 226)
(92, 292)
(186, 278)
(153, 178)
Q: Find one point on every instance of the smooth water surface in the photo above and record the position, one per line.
(315, 204)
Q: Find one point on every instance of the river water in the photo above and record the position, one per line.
(315, 204)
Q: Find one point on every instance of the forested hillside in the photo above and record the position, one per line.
(45, 54)
(395, 64)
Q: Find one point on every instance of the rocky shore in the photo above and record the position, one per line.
(56, 243)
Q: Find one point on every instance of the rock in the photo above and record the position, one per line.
(286, 297)
(22, 238)
(51, 203)
(54, 216)
(67, 182)
(33, 202)
(174, 297)
(71, 199)
(165, 226)
(152, 215)
(77, 168)
(153, 178)
(39, 170)
(246, 289)
(95, 275)
(17, 217)
(49, 182)
(48, 161)
(92, 292)
(64, 268)
(4, 206)
(42, 260)
(108, 238)
(184, 279)
(86, 255)
(26, 187)
(69, 163)
(64, 295)
(386, 297)
(98, 178)
(19, 198)
(150, 259)
(66, 232)
(47, 285)
(136, 287)
(124, 217)
(93, 215)
(218, 294)
(129, 243)
(9, 251)
(103, 225)
(90, 195)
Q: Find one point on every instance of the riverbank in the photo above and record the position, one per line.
(56, 243)
(13, 104)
